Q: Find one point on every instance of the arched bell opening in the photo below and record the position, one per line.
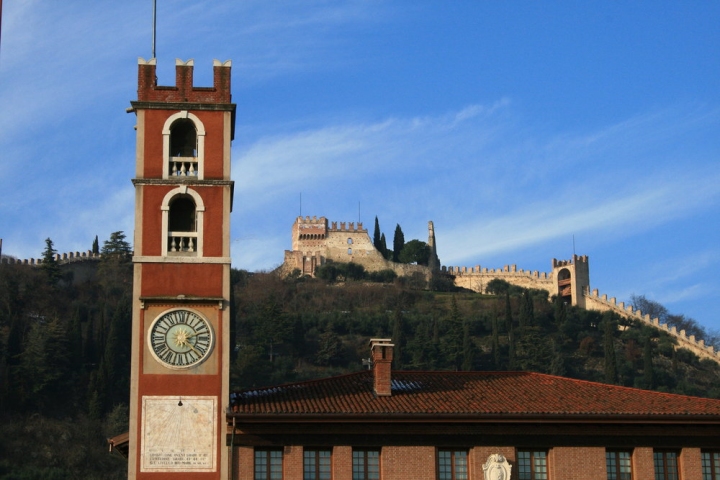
(182, 225)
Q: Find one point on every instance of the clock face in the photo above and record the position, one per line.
(180, 339)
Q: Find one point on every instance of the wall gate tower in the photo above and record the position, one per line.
(181, 284)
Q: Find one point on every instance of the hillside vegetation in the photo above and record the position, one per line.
(302, 328)
(65, 348)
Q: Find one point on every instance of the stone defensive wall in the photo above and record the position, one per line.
(477, 278)
(83, 265)
(594, 301)
(61, 259)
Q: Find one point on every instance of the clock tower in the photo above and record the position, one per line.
(181, 285)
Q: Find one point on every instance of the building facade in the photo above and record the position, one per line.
(389, 425)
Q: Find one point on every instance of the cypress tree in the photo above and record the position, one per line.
(398, 243)
(453, 338)
(468, 348)
(527, 310)
(609, 345)
(397, 338)
(495, 341)
(383, 247)
(376, 235)
(648, 371)
(96, 246)
(511, 332)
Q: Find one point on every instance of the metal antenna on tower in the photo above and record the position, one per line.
(154, 27)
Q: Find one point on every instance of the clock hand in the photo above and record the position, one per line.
(187, 344)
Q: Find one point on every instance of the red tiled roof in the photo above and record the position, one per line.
(475, 394)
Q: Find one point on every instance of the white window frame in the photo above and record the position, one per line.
(200, 127)
(199, 217)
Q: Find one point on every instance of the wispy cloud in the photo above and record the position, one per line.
(473, 171)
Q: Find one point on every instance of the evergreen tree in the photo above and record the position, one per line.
(511, 332)
(495, 341)
(94, 404)
(116, 358)
(558, 366)
(44, 366)
(648, 370)
(117, 246)
(90, 348)
(383, 247)
(468, 347)
(422, 349)
(115, 274)
(609, 345)
(49, 262)
(398, 338)
(453, 338)
(376, 235)
(95, 246)
(273, 327)
(527, 310)
(97, 389)
(560, 312)
(330, 348)
(398, 243)
(75, 351)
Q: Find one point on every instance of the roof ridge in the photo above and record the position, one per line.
(474, 373)
(301, 383)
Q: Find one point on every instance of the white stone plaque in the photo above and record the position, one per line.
(179, 434)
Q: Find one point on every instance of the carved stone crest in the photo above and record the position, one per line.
(497, 468)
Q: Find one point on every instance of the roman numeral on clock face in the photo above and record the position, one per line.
(180, 339)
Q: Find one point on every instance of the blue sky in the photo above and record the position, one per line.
(523, 129)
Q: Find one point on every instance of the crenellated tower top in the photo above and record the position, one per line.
(183, 91)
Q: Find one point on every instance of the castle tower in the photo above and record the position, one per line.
(572, 279)
(434, 261)
(181, 286)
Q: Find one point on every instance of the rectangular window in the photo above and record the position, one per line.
(532, 465)
(316, 464)
(710, 465)
(619, 465)
(666, 466)
(268, 464)
(452, 465)
(366, 465)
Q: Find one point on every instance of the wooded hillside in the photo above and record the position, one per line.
(65, 348)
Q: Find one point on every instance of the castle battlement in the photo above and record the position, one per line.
(184, 91)
(61, 258)
(596, 301)
(576, 259)
(311, 220)
(506, 271)
(347, 227)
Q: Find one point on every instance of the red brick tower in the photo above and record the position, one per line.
(181, 319)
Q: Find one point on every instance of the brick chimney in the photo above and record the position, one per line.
(382, 354)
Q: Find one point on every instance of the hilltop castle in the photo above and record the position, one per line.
(315, 241)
